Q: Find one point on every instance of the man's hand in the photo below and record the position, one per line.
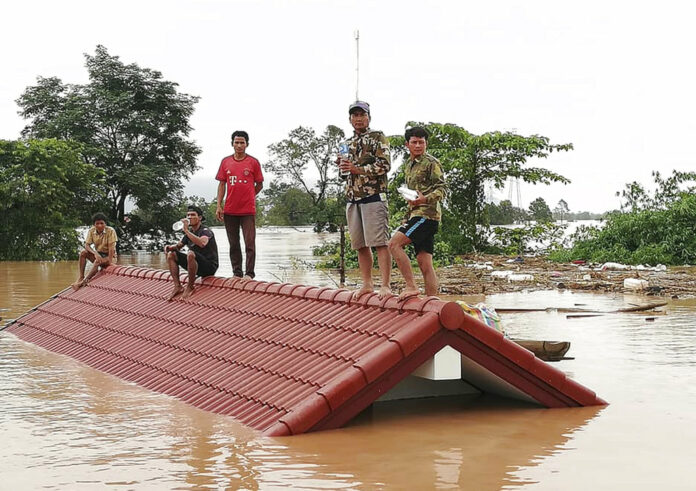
(347, 166)
(169, 248)
(219, 213)
(418, 201)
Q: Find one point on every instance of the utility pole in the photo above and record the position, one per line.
(357, 63)
(342, 264)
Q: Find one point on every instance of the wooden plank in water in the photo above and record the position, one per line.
(545, 350)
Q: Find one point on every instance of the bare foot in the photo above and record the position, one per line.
(359, 293)
(408, 293)
(188, 291)
(78, 284)
(385, 291)
(176, 291)
(247, 278)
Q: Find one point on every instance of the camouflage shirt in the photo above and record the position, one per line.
(425, 174)
(370, 152)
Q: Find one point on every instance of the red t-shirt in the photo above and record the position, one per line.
(240, 176)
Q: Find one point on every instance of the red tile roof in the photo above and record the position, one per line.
(281, 358)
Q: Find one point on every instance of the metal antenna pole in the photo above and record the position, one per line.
(357, 63)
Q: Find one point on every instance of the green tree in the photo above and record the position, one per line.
(561, 211)
(46, 191)
(672, 188)
(131, 122)
(292, 158)
(668, 190)
(504, 213)
(287, 205)
(516, 240)
(634, 197)
(540, 211)
(470, 162)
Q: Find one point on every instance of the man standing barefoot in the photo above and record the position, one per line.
(100, 249)
(365, 171)
(424, 174)
(202, 256)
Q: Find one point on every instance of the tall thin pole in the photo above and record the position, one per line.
(357, 63)
(342, 264)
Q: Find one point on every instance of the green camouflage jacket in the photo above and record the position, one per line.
(425, 174)
(369, 151)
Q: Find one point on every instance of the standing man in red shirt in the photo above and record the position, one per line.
(241, 177)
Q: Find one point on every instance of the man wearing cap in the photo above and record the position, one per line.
(241, 177)
(201, 258)
(365, 172)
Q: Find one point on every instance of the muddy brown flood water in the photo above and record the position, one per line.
(64, 425)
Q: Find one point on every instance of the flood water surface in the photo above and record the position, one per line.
(64, 425)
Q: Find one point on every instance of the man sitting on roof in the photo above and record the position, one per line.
(202, 256)
(100, 249)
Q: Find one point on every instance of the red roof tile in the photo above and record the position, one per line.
(283, 359)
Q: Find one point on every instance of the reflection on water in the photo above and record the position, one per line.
(64, 425)
(69, 424)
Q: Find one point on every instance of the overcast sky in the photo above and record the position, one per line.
(616, 79)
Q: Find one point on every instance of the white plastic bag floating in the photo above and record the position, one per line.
(520, 277)
(615, 266)
(635, 284)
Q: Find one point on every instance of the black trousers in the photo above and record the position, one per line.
(248, 225)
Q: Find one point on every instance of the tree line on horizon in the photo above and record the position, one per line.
(124, 137)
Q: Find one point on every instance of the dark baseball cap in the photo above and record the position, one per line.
(359, 105)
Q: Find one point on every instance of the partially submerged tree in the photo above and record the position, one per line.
(306, 161)
(539, 211)
(130, 121)
(286, 204)
(561, 211)
(504, 213)
(472, 161)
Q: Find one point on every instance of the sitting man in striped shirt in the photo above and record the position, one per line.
(423, 174)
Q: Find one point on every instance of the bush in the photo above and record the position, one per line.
(649, 236)
(331, 250)
(518, 240)
(442, 255)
